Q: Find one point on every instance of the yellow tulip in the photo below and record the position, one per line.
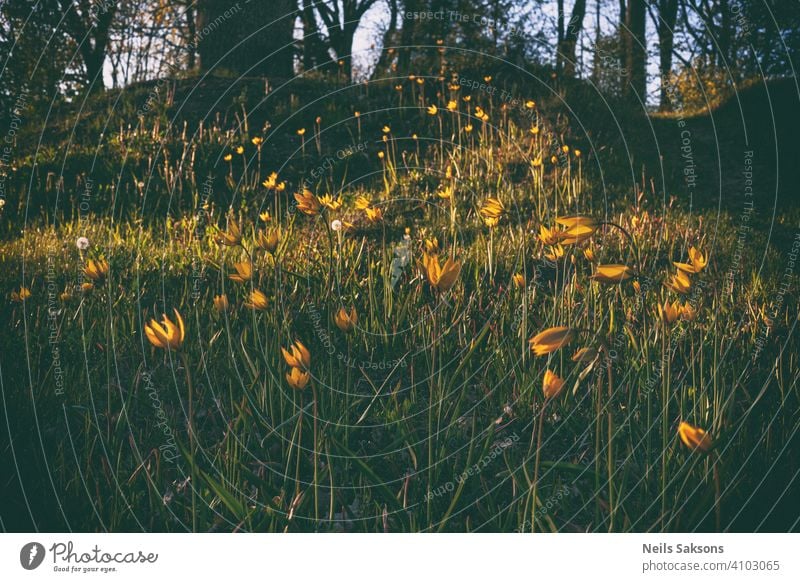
(552, 385)
(519, 280)
(21, 295)
(441, 277)
(240, 150)
(669, 313)
(346, 321)
(297, 379)
(576, 234)
(548, 236)
(301, 132)
(232, 237)
(166, 334)
(612, 273)
(432, 246)
(363, 202)
(298, 357)
(96, 270)
(433, 110)
(256, 141)
(695, 438)
(374, 214)
(554, 253)
(577, 220)
(330, 202)
(452, 105)
(492, 208)
(688, 312)
(244, 272)
(697, 262)
(551, 340)
(257, 300)
(221, 303)
(227, 157)
(680, 283)
(307, 203)
(268, 240)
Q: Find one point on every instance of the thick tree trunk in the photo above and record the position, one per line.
(247, 38)
(635, 51)
(570, 40)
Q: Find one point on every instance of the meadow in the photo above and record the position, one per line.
(427, 308)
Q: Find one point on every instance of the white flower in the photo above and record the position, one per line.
(82, 243)
(336, 225)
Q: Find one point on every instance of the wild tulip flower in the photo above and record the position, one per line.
(166, 334)
(268, 240)
(257, 300)
(346, 321)
(695, 438)
(330, 202)
(96, 270)
(551, 339)
(433, 110)
(552, 385)
(297, 379)
(307, 203)
(374, 214)
(244, 272)
(680, 283)
(697, 262)
(297, 356)
(221, 303)
(21, 295)
(669, 313)
(441, 277)
(230, 238)
(612, 273)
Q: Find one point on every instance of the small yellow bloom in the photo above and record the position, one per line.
(330, 202)
(695, 438)
(551, 340)
(257, 300)
(565, 149)
(297, 379)
(381, 155)
(577, 220)
(232, 237)
(386, 129)
(240, 150)
(272, 183)
(492, 208)
(441, 277)
(65, 296)
(307, 203)
(301, 132)
(680, 283)
(588, 254)
(552, 385)
(445, 193)
(433, 110)
(487, 79)
(612, 273)
(166, 334)
(688, 313)
(244, 272)
(21, 295)
(548, 236)
(265, 216)
(697, 262)
(452, 105)
(346, 321)
(519, 280)
(363, 202)
(432, 246)
(577, 153)
(96, 270)
(530, 104)
(221, 303)
(535, 131)
(554, 253)
(669, 313)
(227, 157)
(268, 240)
(298, 357)
(87, 287)
(374, 214)
(468, 128)
(257, 141)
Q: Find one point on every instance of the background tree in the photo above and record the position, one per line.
(88, 23)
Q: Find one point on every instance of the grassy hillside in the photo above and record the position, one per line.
(438, 212)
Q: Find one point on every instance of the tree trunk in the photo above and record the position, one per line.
(635, 50)
(570, 40)
(247, 38)
(667, 17)
(560, 39)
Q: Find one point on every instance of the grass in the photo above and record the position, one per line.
(430, 414)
